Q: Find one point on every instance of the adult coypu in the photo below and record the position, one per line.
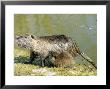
(49, 46)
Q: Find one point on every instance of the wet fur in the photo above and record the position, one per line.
(58, 47)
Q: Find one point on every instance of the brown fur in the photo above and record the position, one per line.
(63, 60)
(60, 47)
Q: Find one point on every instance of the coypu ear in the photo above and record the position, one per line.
(32, 36)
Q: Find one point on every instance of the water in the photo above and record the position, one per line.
(81, 27)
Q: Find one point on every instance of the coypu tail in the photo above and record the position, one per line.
(84, 56)
(88, 59)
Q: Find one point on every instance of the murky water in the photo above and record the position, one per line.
(81, 27)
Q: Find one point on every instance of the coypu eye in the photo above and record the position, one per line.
(32, 36)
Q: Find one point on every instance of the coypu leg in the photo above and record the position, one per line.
(42, 60)
(33, 55)
(48, 60)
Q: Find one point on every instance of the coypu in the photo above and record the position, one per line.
(49, 46)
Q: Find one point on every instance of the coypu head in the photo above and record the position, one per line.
(24, 41)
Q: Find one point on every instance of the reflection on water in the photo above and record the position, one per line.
(81, 27)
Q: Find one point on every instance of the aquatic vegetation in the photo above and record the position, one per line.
(33, 70)
(22, 69)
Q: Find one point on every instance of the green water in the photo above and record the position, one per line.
(81, 27)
